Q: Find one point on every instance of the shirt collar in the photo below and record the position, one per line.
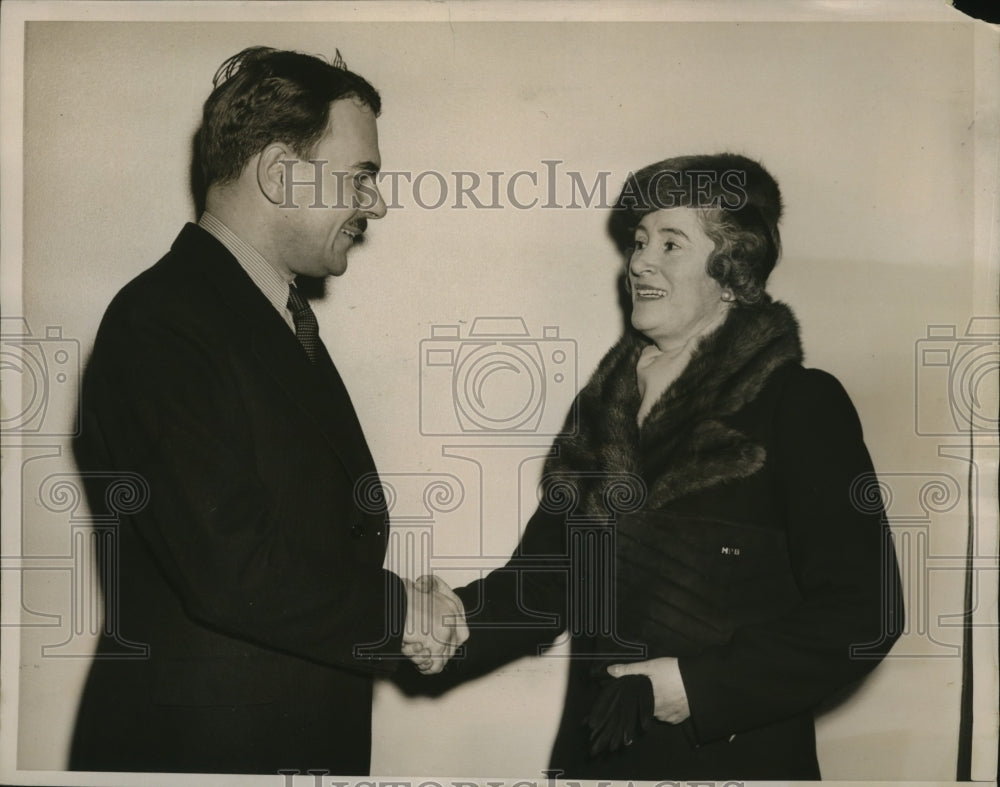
(265, 276)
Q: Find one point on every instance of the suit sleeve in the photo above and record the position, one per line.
(844, 566)
(159, 401)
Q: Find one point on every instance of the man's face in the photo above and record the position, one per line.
(329, 206)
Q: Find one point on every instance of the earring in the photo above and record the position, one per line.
(727, 296)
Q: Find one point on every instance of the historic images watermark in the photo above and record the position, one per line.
(548, 187)
(44, 368)
(66, 540)
(483, 388)
(318, 778)
(497, 379)
(80, 516)
(954, 373)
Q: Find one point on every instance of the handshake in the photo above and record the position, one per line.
(435, 624)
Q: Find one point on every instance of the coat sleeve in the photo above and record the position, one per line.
(844, 565)
(516, 610)
(159, 401)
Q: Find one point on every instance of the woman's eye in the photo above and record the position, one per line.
(670, 246)
(638, 245)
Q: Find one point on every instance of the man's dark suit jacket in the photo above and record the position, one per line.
(254, 571)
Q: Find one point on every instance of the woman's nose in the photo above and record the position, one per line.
(637, 264)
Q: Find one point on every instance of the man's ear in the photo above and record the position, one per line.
(274, 167)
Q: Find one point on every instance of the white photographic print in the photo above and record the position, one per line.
(211, 551)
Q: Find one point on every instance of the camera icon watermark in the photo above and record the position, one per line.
(46, 371)
(498, 380)
(956, 379)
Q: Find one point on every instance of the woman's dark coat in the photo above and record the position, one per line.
(739, 529)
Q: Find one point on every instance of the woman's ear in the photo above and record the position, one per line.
(274, 170)
(718, 266)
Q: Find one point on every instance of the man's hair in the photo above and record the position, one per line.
(738, 203)
(264, 95)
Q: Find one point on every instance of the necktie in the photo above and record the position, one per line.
(306, 327)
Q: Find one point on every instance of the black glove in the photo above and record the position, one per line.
(622, 711)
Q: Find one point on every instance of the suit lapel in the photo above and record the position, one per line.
(319, 391)
(316, 389)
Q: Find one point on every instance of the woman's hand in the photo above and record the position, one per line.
(669, 696)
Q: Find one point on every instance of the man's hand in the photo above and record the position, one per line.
(435, 624)
(669, 697)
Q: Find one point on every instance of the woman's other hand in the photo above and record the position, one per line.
(669, 696)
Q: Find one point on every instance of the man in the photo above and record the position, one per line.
(253, 570)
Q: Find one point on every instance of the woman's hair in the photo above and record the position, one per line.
(264, 95)
(739, 205)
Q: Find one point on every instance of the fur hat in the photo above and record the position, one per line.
(740, 199)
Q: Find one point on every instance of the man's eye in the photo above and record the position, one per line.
(364, 178)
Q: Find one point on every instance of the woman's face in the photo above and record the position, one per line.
(673, 299)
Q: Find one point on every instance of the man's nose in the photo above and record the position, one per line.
(376, 208)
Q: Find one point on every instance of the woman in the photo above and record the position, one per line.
(709, 525)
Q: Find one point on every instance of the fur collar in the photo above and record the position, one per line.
(684, 445)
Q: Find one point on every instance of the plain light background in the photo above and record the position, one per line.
(869, 129)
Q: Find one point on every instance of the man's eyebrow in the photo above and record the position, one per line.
(674, 231)
(367, 166)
